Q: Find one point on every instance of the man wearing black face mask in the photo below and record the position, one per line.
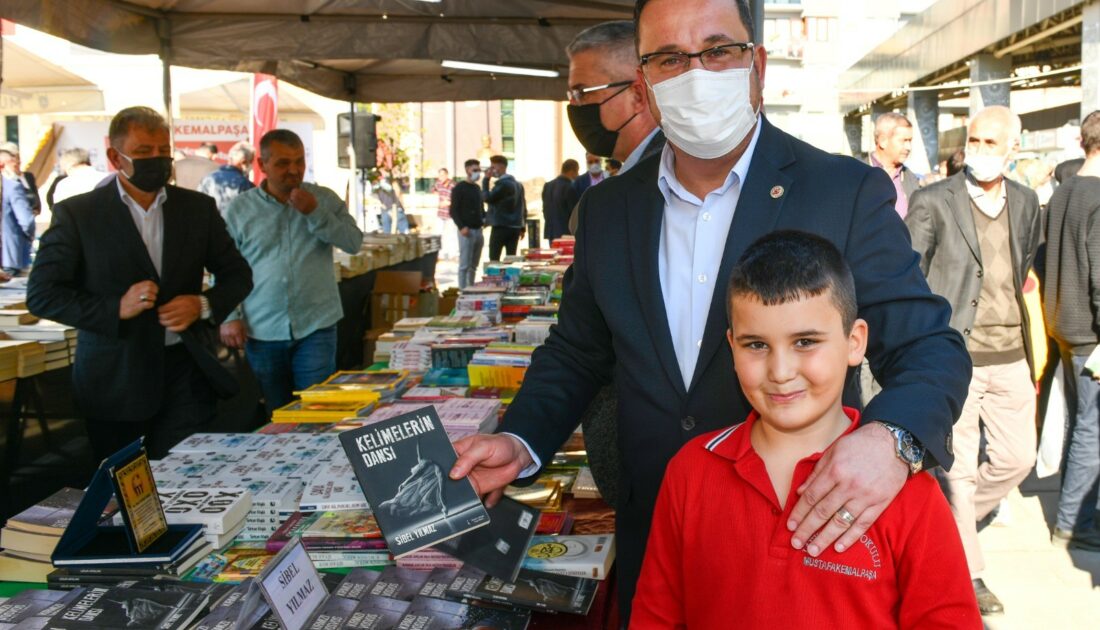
(608, 104)
(124, 265)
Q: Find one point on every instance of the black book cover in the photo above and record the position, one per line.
(377, 613)
(439, 580)
(399, 583)
(532, 589)
(438, 614)
(356, 583)
(29, 603)
(223, 615)
(112, 608)
(402, 464)
(499, 548)
(334, 614)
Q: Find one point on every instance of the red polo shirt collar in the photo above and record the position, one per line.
(735, 445)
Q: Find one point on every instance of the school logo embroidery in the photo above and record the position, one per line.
(869, 570)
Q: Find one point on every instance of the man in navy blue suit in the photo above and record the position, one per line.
(644, 302)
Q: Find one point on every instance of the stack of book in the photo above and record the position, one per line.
(426, 395)
(477, 415)
(345, 539)
(500, 365)
(321, 411)
(222, 512)
(141, 604)
(388, 384)
(59, 354)
(43, 330)
(534, 330)
(30, 356)
(408, 355)
(333, 488)
(29, 538)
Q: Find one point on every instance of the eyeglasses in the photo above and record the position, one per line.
(660, 66)
(577, 94)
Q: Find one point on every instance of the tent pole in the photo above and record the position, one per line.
(163, 31)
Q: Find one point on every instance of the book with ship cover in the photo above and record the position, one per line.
(101, 608)
(402, 465)
(375, 612)
(532, 589)
(429, 612)
(589, 556)
(498, 549)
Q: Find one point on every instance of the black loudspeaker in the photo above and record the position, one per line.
(366, 139)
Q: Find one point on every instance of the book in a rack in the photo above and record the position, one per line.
(402, 465)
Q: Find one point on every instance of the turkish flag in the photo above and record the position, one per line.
(265, 115)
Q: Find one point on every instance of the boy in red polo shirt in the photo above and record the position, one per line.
(719, 552)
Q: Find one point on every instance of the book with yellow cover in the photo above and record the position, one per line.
(321, 411)
(379, 380)
(350, 392)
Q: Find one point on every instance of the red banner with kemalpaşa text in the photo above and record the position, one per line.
(265, 115)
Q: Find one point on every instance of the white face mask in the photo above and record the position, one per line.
(706, 114)
(594, 168)
(474, 176)
(986, 168)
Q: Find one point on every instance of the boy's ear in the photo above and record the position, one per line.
(857, 342)
(729, 337)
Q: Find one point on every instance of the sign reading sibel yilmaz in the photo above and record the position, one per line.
(293, 587)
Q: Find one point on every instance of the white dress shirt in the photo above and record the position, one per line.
(636, 155)
(989, 205)
(693, 240)
(150, 225)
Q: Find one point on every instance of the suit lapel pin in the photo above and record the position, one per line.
(777, 192)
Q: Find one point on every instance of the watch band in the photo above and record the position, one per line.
(204, 305)
(907, 448)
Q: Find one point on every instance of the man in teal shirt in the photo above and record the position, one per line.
(286, 229)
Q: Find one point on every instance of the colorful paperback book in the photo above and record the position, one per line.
(402, 464)
(589, 556)
(380, 380)
(346, 524)
(338, 392)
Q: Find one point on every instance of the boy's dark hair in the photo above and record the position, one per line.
(791, 265)
(498, 159)
(471, 162)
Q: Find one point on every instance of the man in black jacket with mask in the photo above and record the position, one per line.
(507, 208)
(608, 103)
(468, 213)
(124, 265)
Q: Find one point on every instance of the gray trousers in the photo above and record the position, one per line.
(469, 256)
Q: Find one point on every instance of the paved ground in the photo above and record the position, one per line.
(1041, 586)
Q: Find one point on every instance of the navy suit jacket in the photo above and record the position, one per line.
(612, 324)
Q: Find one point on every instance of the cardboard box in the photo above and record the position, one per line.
(447, 301)
(370, 340)
(428, 304)
(395, 297)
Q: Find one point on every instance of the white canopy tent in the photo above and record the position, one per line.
(361, 50)
(32, 85)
